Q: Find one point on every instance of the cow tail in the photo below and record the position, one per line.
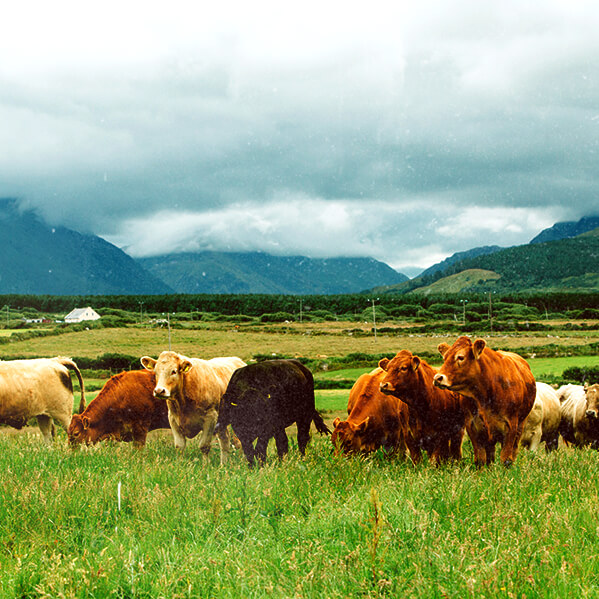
(321, 427)
(68, 363)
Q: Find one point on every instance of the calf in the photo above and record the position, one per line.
(500, 383)
(579, 414)
(39, 388)
(263, 399)
(436, 416)
(124, 410)
(542, 424)
(193, 389)
(374, 419)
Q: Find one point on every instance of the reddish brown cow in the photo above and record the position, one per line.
(502, 385)
(436, 416)
(375, 420)
(124, 410)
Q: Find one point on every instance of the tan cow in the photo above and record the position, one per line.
(193, 389)
(39, 388)
(502, 385)
(542, 424)
(580, 414)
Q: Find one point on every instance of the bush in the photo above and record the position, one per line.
(277, 317)
(584, 374)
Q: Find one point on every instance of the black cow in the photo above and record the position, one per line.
(263, 399)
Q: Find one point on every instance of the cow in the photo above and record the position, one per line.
(193, 388)
(263, 399)
(125, 409)
(502, 386)
(542, 424)
(579, 414)
(39, 388)
(437, 418)
(374, 420)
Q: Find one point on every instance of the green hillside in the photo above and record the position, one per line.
(460, 282)
(235, 272)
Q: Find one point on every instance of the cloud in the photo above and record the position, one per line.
(392, 130)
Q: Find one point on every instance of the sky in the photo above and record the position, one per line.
(401, 130)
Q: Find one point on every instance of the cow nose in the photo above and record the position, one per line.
(384, 386)
(591, 414)
(160, 392)
(439, 380)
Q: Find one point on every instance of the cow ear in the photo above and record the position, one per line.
(383, 363)
(185, 366)
(478, 347)
(85, 422)
(363, 425)
(148, 363)
(415, 363)
(336, 422)
(442, 348)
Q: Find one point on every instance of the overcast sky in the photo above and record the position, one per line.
(405, 131)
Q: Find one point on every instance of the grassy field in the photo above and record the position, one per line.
(322, 526)
(314, 527)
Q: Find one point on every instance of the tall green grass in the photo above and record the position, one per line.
(321, 526)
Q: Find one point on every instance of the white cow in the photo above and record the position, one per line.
(193, 389)
(580, 411)
(39, 388)
(542, 424)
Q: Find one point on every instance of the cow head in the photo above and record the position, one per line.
(401, 374)
(592, 411)
(80, 431)
(460, 364)
(168, 369)
(351, 438)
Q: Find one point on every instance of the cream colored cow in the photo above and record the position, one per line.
(193, 388)
(543, 421)
(39, 388)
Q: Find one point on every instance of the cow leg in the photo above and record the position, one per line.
(552, 443)
(139, 437)
(248, 449)
(303, 435)
(178, 436)
(535, 441)
(261, 447)
(282, 443)
(225, 444)
(509, 447)
(46, 425)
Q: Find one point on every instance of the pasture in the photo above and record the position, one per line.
(323, 526)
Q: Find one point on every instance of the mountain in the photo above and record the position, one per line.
(234, 272)
(568, 229)
(565, 264)
(458, 257)
(39, 259)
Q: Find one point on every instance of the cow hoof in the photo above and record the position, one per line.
(507, 463)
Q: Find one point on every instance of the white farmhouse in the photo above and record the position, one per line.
(81, 314)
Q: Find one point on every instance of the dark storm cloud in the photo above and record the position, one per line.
(400, 132)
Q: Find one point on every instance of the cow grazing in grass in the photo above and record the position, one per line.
(124, 410)
(542, 424)
(193, 388)
(437, 417)
(579, 414)
(374, 419)
(39, 388)
(502, 385)
(263, 399)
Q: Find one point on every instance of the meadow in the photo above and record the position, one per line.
(112, 521)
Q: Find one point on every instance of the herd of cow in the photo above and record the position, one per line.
(404, 405)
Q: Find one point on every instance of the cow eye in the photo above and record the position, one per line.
(174, 372)
(460, 358)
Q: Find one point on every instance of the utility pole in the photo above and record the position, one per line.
(374, 317)
(491, 311)
(141, 311)
(300, 301)
(464, 302)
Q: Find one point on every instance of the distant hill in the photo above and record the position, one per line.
(461, 281)
(39, 259)
(566, 264)
(458, 257)
(233, 272)
(566, 230)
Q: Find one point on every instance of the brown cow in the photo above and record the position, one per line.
(193, 389)
(124, 410)
(579, 414)
(436, 416)
(542, 424)
(374, 419)
(40, 388)
(502, 385)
